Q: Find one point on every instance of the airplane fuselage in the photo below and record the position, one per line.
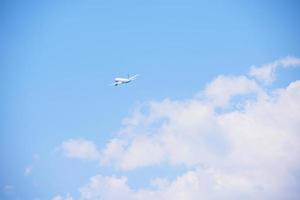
(122, 80)
(119, 81)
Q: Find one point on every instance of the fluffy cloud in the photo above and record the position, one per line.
(186, 132)
(106, 188)
(249, 151)
(223, 88)
(133, 155)
(212, 184)
(266, 72)
(192, 133)
(80, 148)
(247, 154)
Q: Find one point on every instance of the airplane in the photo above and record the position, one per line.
(120, 81)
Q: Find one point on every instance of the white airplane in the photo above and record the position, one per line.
(120, 81)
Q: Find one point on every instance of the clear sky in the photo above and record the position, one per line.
(62, 123)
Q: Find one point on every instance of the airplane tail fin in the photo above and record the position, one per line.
(133, 77)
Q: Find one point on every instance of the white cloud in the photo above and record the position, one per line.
(80, 148)
(179, 132)
(246, 152)
(101, 187)
(179, 124)
(266, 72)
(113, 151)
(134, 154)
(289, 61)
(210, 184)
(194, 126)
(223, 88)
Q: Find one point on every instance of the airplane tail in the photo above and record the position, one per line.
(133, 77)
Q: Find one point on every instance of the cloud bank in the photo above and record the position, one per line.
(247, 150)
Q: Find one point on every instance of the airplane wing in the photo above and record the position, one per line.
(117, 83)
(114, 84)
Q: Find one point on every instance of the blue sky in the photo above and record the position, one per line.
(59, 57)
